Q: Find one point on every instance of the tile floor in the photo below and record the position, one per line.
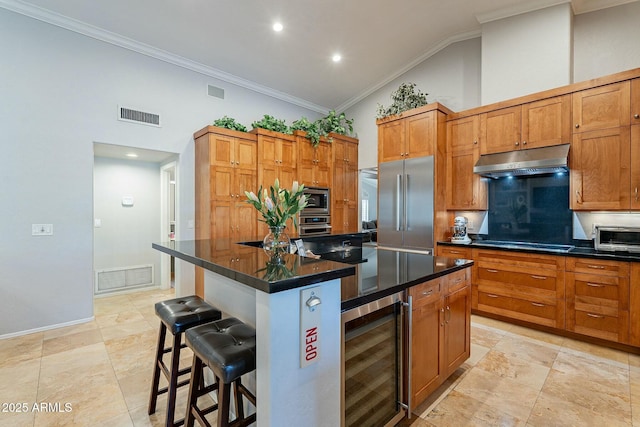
(516, 376)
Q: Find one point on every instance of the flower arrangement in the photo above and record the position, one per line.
(277, 205)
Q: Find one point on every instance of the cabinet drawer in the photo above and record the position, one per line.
(518, 308)
(457, 280)
(596, 266)
(453, 252)
(597, 325)
(591, 286)
(427, 292)
(544, 280)
(511, 260)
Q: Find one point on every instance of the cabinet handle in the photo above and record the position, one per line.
(237, 162)
(231, 161)
(491, 270)
(595, 316)
(578, 197)
(455, 252)
(577, 125)
(475, 142)
(492, 296)
(595, 285)
(524, 142)
(409, 350)
(517, 143)
(597, 267)
(533, 276)
(429, 292)
(537, 304)
(636, 194)
(447, 315)
(636, 116)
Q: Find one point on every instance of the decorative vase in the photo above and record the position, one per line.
(276, 243)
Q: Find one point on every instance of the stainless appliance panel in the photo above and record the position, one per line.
(390, 203)
(617, 238)
(318, 201)
(405, 204)
(418, 190)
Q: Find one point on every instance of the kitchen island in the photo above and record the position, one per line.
(298, 375)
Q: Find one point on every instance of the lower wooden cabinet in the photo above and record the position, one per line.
(521, 286)
(440, 331)
(598, 298)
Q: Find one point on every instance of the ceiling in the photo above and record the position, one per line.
(232, 40)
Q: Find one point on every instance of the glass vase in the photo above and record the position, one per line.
(276, 243)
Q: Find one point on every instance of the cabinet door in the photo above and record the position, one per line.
(222, 185)
(420, 135)
(306, 175)
(287, 153)
(322, 155)
(501, 129)
(602, 107)
(391, 141)
(221, 150)
(600, 171)
(635, 101)
(457, 329)
(635, 167)
(246, 154)
(427, 338)
(245, 221)
(464, 189)
(546, 122)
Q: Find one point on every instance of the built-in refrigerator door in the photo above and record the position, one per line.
(418, 187)
(391, 203)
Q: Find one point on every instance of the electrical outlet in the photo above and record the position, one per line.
(42, 229)
(471, 226)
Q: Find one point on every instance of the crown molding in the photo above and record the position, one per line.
(525, 7)
(426, 55)
(100, 34)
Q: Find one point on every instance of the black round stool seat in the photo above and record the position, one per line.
(228, 348)
(180, 314)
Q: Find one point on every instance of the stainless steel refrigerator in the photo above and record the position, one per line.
(405, 204)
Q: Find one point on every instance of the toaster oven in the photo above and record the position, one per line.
(617, 238)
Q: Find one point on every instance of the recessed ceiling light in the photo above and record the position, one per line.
(132, 155)
(336, 57)
(277, 27)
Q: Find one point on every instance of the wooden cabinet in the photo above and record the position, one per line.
(635, 167)
(634, 305)
(440, 331)
(601, 107)
(601, 169)
(463, 252)
(464, 189)
(598, 298)
(535, 124)
(521, 286)
(635, 101)
(344, 191)
(314, 163)
(407, 135)
(226, 162)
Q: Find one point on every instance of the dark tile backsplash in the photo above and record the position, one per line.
(530, 209)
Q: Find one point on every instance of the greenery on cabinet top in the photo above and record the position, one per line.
(407, 97)
(332, 123)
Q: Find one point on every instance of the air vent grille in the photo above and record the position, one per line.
(215, 91)
(136, 116)
(117, 279)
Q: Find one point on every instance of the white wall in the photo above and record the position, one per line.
(123, 239)
(451, 77)
(526, 53)
(606, 41)
(60, 92)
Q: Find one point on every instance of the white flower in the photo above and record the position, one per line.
(294, 189)
(269, 203)
(252, 196)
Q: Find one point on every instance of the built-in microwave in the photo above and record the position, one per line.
(318, 202)
(617, 238)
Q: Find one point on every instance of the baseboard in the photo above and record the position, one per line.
(46, 328)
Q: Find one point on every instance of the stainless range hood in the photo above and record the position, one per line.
(533, 161)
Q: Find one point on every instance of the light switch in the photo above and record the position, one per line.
(42, 229)
(190, 224)
(97, 223)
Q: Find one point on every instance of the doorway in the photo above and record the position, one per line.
(168, 221)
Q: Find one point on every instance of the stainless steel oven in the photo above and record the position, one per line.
(617, 238)
(315, 225)
(318, 202)
(372, 361)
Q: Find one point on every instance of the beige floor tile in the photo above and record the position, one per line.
(597, 350)
(19, 383)
(115, 319)
(17, 419)
(459, 410)
(122, 330)
(551, 411)
(504, 394)
(132, 353)
(521, 371)
(537, 335)
(71, 341)
(497, 325)
(527, 351)
(477, 353)
(20, 349)
(70, 330)
(486, 336)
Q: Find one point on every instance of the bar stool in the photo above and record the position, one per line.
(228, 348)
(177, 315)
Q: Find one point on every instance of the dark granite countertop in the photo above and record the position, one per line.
(574, 251)
(378, 272)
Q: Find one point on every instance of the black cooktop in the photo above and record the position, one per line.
(525, 245)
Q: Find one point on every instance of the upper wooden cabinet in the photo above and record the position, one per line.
(277, 158)
(344, 189)
(602, 107)
(535, 124)
(314, 163)
(635, 167)
(464, 189)
(407, 136)
(601, 170)
(635, 101)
